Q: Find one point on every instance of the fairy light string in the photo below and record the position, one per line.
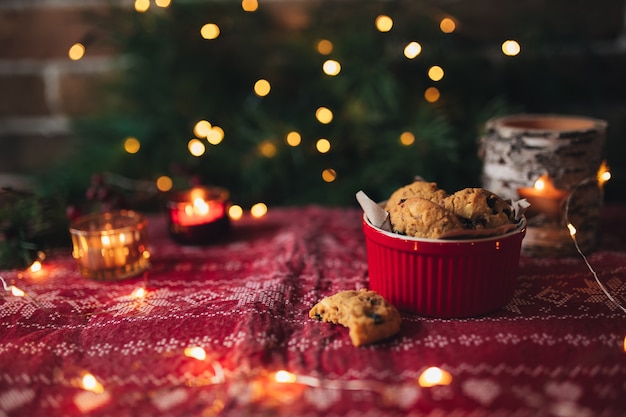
(600, 179)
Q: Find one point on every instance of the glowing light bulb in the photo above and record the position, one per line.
(35, 267)
(16, 291)
(195, 352)
(412, 50)
(285, 377)
(76, 51)
(384, 23)
(258, 210)
(572, 229)
(90, 383)
(434, 376)
(511, 48)
(139, 292)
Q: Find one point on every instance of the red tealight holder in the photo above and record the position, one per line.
(199, 216)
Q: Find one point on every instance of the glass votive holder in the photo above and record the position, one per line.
(199, 216)
(110, 246)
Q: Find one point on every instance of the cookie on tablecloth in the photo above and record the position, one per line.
(367, 314)
(417, 217)
(482, 208)
(422, 189)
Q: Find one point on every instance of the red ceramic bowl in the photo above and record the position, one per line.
(443, 278)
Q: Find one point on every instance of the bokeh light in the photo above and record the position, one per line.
(76, 51)
(164, 183)
(249, 5)
(384, 23)
(142, 5)
(131, 145)
(293, 138)
(324, 47)
(163, 3)
(434, 376)
(407, 138)
(447, 25)
(322, 145)
(195, 147)
(412, 50)
(511, 48)
(215, 135)
(329, 175)
(331, 67)
(262, 88)
(258, 210)
(267, 149)
(210, 31)
(235, 212)
(432, 94)
(324, 115)
(202, 128)
(435, 73)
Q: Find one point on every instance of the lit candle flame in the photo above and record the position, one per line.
(540, 184)
(434, 376)
(200, 206)
(195, 352)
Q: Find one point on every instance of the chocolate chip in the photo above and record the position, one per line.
(378, 319)
(491, 201)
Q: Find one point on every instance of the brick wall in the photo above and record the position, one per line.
(41, 89)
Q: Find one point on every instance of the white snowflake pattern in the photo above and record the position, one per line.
(131, 304)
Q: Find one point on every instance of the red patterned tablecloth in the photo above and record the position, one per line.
(557, 349)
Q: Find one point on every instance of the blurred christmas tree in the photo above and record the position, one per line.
(381, 133)
(387, 119)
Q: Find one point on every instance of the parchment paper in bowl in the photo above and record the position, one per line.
(379, 217)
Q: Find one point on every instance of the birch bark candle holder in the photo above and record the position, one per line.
(548, 159)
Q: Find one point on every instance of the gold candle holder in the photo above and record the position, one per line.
(110, 246)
